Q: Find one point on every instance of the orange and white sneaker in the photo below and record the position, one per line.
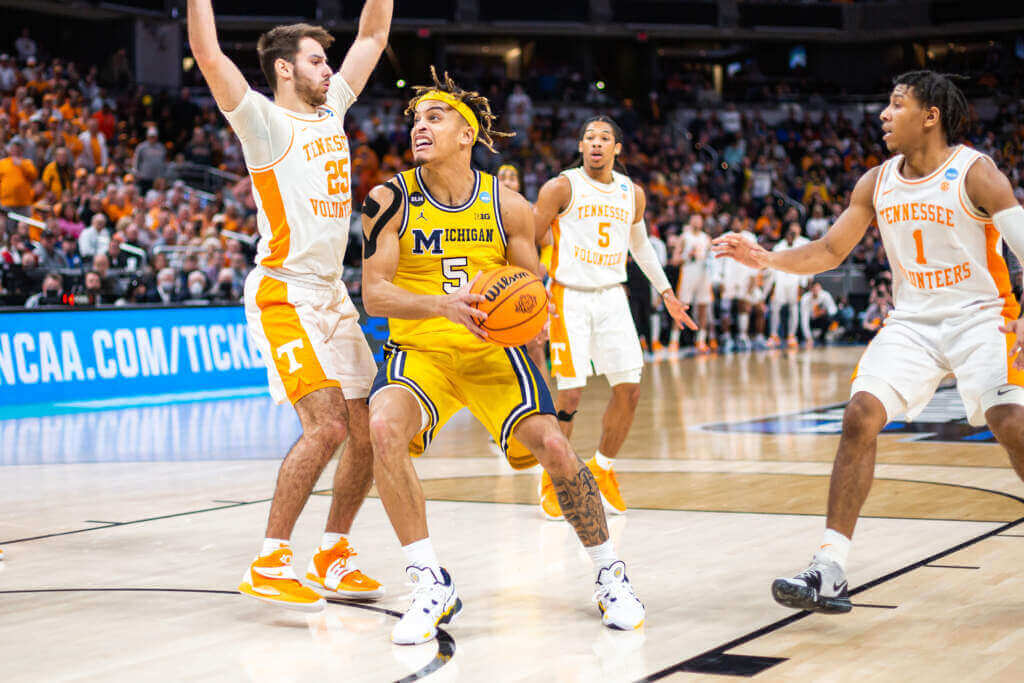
(608, 485)
(703, 348)
(549, 506)
(791, 342)
(271, 579)
(334, 570)
(774, 342)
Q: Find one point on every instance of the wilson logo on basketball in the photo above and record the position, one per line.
(502, 284)
(526, 303)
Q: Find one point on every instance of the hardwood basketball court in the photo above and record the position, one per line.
(126, 529)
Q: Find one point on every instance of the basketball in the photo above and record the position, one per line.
(515, 302)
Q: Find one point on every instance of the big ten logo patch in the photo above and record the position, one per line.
(416, 198)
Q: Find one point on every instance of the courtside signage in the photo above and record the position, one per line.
(72, 356)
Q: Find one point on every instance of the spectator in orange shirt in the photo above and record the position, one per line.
(16, 177)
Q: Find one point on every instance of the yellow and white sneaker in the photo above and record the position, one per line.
(434, 601)
(549, 506)
(620, 608)
(334, 570)
(608, 485)
(271, 579)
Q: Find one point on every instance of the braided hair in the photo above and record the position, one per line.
(616, 132)
(479, 104)
(933, 89)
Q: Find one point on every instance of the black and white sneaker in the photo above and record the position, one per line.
(819, 588)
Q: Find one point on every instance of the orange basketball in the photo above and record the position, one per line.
(515, 302)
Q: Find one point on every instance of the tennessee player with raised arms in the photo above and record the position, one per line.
(429, 233)
(595, 215)
(943, 211)
(298, 312)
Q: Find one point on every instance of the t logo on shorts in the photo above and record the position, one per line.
(289, 349)
(555, 348)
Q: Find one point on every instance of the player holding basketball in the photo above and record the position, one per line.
(298, 311)
(596, 216)
(943, 211)
(429, 233)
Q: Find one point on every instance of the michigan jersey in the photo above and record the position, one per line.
(441, 248)
(946, 256)
(591, 236)
(300, 171)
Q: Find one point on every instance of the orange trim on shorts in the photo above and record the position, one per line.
(265, 184)
(996, 265)
(282, 328)
(560, 335)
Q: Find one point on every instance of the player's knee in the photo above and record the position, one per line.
(569, 401)
(385, 435)
(330, 432)
(1006, 422)
(559, 460)
(864, 417)
(629, 394)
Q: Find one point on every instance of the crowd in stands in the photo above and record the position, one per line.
(96, 207)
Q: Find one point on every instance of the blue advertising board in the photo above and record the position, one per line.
(74, 356)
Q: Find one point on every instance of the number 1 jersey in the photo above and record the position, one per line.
(946, 257)
(299, 165)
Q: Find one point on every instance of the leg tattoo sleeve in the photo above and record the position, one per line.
(581, 505)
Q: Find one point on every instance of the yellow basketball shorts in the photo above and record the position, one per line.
(500, 387)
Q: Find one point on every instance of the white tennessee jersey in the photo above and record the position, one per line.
(696, 249)
(591, 236)
(734, 271)
(301, 182)
(781, 278)
(946, 257)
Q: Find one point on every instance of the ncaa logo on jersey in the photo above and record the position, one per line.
(952, 173)
(416, 198)
(485, 197)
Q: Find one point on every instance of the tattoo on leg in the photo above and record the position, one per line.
(581, 504)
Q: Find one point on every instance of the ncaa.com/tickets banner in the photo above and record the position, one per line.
(57, 356)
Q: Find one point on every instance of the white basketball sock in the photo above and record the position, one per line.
(744, 324)
(602, 555)
(330, 540)
(834, 547)
(272, 544)
(421, 554)
(702, 336)
(603, 461)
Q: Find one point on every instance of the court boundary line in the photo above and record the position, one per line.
(717, 652)
(445, 641)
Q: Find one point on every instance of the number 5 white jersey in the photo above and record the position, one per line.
(946, 257)
(299, 165)
(591, 236)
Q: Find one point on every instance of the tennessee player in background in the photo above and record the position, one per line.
(596, 216)
(943, 211)
(298, 311)
(444, 223)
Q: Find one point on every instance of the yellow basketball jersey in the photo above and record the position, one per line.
(441, 248)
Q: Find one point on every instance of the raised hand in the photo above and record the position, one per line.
(738, 248)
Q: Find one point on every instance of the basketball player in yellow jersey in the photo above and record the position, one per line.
(943, 211)
(595, 216)
(444, 223)
(298, 311)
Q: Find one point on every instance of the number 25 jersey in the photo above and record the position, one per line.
(442, 248)
(946, 257)
(299, 165)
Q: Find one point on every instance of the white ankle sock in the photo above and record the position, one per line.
(272, 544)
(744, 324)
(330, 540)
(835, 547)
(421, 554)
(702, 336)
(602, 555)
(603, 461)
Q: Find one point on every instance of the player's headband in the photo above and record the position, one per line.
(456, 104)
(508, 167)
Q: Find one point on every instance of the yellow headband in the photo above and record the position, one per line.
(456, 104)
(509, 167)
